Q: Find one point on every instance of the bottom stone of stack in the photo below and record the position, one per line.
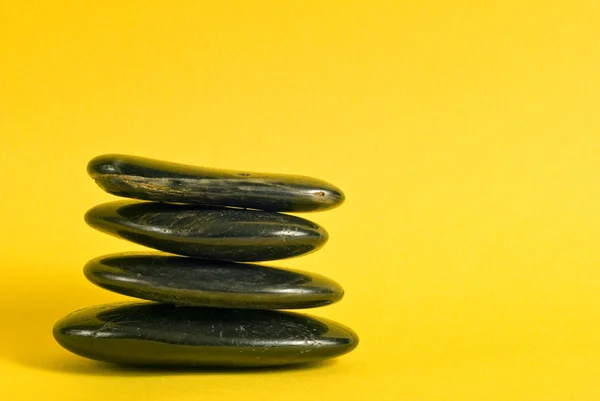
(159, 334)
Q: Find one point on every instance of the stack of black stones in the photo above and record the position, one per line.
(211, 307)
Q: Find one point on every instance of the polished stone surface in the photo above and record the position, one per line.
(181, 280)
(149, 179)
(209, 232)
(168, 335)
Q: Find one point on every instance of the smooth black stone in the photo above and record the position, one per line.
(149, 179)
(208, 232)
(200, 282)
(169, 335)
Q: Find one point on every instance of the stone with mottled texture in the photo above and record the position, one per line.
(149, 179)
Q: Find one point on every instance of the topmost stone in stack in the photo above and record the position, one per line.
(147, 179)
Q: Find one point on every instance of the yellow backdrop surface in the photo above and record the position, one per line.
(465, 134)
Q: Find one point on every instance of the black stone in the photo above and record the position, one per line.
(148, 179)
(209, 232)
(169, 335)
(181, 280)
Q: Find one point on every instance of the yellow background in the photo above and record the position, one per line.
(465, 134)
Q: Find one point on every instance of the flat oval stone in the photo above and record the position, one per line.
(169, 335)
(209, 232)
(149, 179)
(200, 282)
